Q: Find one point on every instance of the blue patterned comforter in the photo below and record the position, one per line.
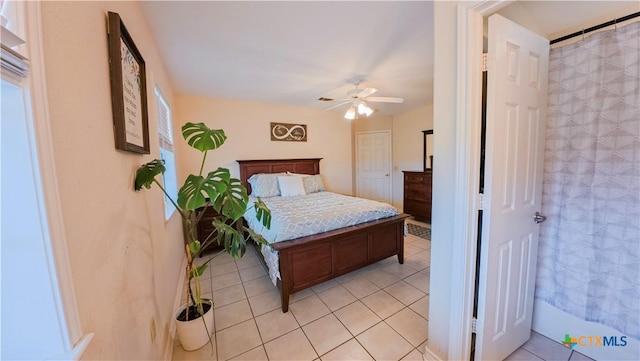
(299, 216)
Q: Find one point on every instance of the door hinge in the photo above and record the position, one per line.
(480, 201)
(474, 325)
(484, 62)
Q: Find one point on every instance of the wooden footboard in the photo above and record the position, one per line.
(308, 261)
(311, 260)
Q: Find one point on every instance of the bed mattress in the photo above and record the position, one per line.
(300, 216)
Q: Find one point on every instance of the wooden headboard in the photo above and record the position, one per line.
(301, 166)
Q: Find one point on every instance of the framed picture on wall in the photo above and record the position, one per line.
(288, 132)
(128, 89)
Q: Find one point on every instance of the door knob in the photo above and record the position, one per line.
(539, 218)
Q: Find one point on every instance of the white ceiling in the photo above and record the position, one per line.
(295, 52)
(292, 53)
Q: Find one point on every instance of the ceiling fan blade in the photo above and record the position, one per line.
(366, 92)
(385, 99)
(337, 105)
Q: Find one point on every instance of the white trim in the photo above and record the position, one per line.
(168, 351)
(487, 7)
(428, 355)
(79, 348)
(468, 131)
(56, 244)
(390, 163)
(467, 124)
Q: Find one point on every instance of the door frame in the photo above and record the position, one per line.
(357, 158)
(466, 199)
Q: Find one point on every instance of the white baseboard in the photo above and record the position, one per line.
(429, 355)
(168, 350)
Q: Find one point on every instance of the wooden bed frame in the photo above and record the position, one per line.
(311, 260)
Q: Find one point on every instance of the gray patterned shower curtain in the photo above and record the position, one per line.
(589, 256)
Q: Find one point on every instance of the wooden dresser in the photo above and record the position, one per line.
(417, 195)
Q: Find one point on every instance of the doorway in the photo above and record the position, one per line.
(456, 185)
(373, 165)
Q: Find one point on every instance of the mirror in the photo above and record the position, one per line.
(427, 149)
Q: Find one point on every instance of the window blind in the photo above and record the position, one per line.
(14, 63)
(165, 134)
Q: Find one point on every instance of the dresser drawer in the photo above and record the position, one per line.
(415, 178)
(417, 195)
(412, 207)
(421, 193)
(420, 210)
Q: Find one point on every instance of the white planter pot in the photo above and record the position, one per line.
(192, 334)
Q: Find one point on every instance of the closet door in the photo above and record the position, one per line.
(373, 164)
(516, 113)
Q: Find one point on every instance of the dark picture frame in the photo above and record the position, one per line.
(286, 132)
(128, 89)
(425, 156)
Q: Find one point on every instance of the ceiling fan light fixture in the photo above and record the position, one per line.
(364, 109)
(357, 100)
(351, 112)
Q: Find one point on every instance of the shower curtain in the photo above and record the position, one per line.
(589, 255)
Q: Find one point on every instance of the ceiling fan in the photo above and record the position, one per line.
(358, 99)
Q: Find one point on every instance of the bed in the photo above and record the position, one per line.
(310, 260)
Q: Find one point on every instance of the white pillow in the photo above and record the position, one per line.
(312, 182)
(265, 184)
(291, 186)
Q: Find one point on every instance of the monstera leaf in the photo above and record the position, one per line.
(199, 271)
(263, 213)
(233, 203)
(195, 247)
(201, 137)
(255, 236)
(233, 241)
(196, 189)
(147, 173)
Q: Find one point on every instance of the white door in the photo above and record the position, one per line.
(373, 163)
(516, 114)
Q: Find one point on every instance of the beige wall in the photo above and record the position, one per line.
(246, 125)
(371, 124)
(125, 259)
(408, 146)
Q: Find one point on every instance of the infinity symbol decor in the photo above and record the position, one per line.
(288, 132)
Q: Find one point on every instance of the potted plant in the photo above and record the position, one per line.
(230, 200)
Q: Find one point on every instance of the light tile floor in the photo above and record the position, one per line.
(540, 348)
(376, 313)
